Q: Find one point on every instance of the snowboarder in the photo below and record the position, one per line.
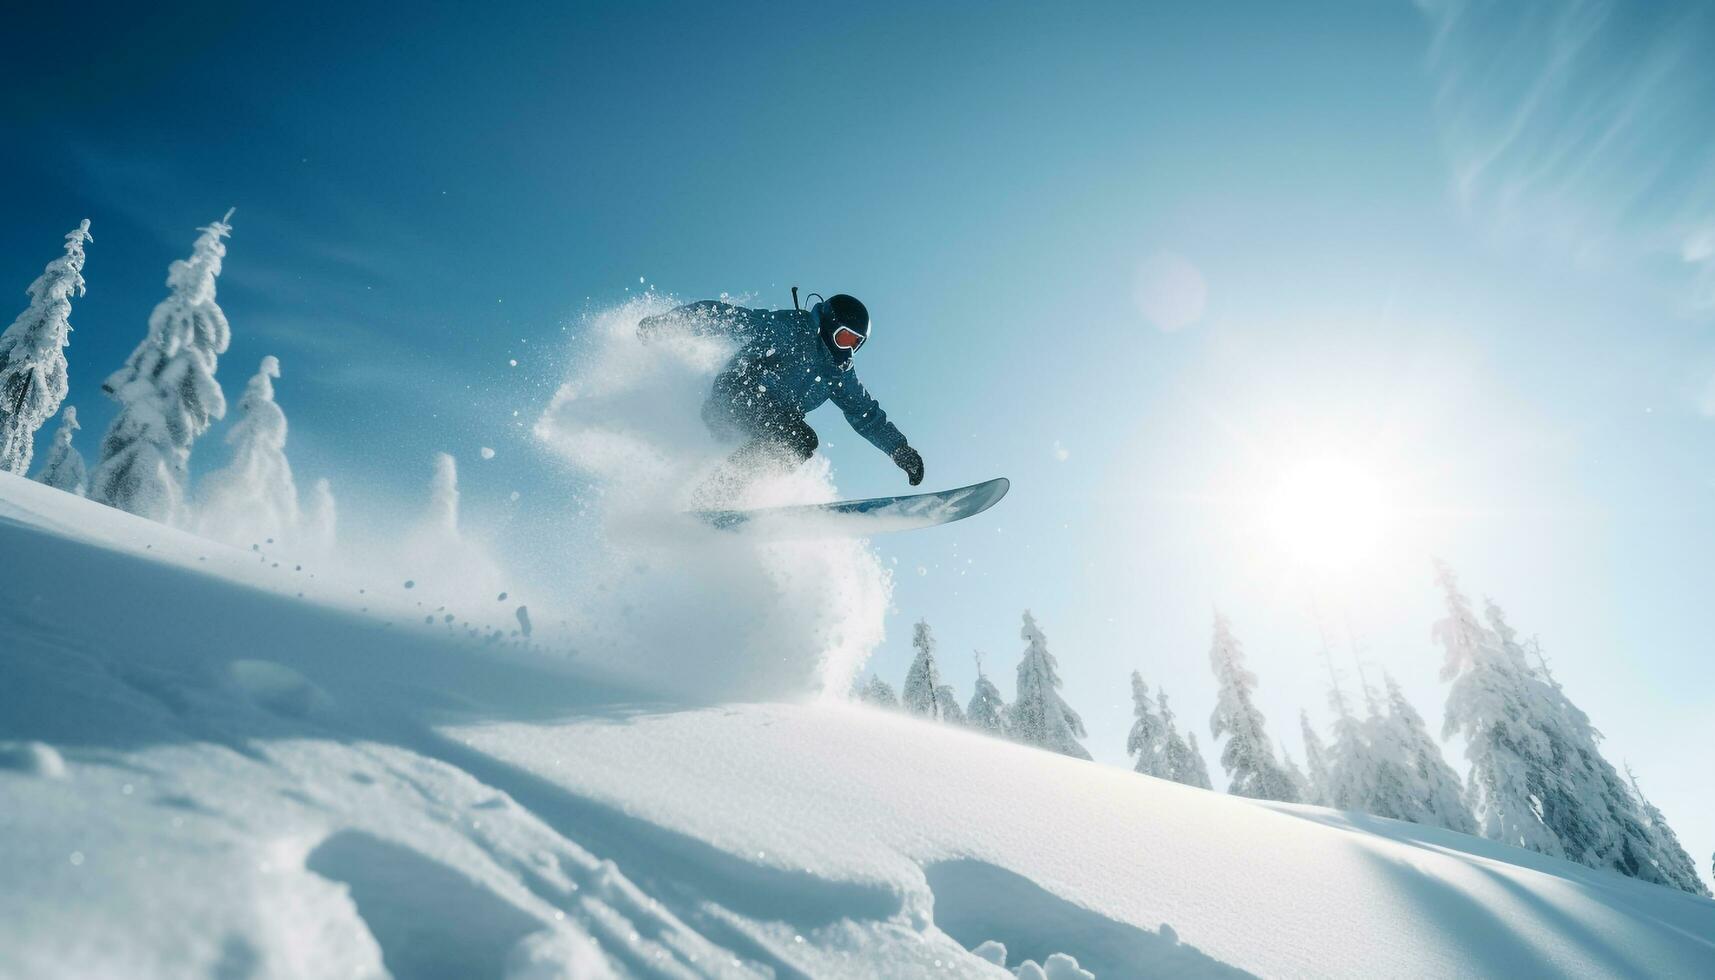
(788, 364)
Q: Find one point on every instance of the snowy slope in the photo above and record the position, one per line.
(203, 773)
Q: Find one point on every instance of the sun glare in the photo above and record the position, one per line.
(1328, 514)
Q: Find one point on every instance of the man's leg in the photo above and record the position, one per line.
(780, 439)
(775, 438)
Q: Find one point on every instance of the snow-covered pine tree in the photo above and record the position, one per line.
(1300, 782)
(1248, 756)
(1039, 716)
(1148, 738)
(442, 514)
(1583, 801)
(920, 696)
(1670, 853)
(166, 391)
(1491, 705)
(321, 518)
(880, 693)
(32, 354)
(1392, 790)
(1437, 797)
(987, 712)
(63, 469)
(1181, 762)
(1315, 761)
(253, 498)
(1351, 770)
(948, 699)
(1198, 774)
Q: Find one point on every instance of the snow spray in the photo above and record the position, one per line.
(664, 600)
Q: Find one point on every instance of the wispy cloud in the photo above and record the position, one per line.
(1584, 126)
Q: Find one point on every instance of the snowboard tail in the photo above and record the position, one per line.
(861, 518)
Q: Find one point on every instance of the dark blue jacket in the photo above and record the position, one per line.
(781, 358)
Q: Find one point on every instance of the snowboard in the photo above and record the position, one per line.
(861, 518)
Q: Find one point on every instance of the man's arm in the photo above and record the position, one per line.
(868, 420)
(703, 318)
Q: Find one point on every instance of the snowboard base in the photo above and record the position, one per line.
(861, 518)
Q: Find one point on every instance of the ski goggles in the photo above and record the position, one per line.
(845, 338)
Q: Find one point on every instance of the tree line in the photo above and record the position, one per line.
(168, 398)
(1536, 777)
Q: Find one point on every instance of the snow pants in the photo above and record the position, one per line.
(772, 434)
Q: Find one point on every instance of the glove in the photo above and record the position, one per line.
(911, 461)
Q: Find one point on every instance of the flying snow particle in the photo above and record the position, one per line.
(1061, 453)
(486, 453)
(410, 584)
(513, 362)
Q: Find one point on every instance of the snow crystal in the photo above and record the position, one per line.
(486, 453)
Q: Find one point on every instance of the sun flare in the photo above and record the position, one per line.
(1328, 514)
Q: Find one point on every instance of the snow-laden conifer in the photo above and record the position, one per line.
(1392, 790)
(321, 518)
(1492, 705)
(253, 498)
(1373, 764)
(921, 694)
(1315, 761)
(1351, 771)
(987, 712)
(1437, 797)
(63, 468)
(166, 391)
(879, 693)
(1148, 738)
(438, 551)
(1039, 716)
(442, 513)
(1197, 773)
(1581, 800)
(32, 354)
(948, 701)
(1300, 782)
(1671, 854)
(1598, 817)
(1248, 756)
(1181, 760)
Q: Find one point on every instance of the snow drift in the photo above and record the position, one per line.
(205, 774)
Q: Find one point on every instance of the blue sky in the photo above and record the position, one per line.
(1472, 251)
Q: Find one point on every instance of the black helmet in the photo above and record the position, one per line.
(843, 323)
